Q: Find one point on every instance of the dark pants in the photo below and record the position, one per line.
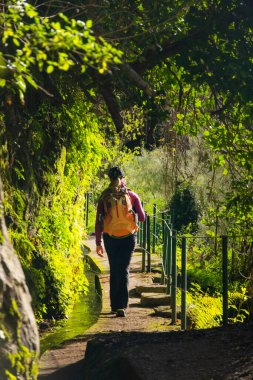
(119, 253)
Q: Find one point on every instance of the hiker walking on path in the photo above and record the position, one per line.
(119, 209)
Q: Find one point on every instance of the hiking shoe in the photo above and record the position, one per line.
(120, 313)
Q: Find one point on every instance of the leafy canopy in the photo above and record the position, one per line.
(30, 41)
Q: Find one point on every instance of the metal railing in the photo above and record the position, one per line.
(157, 232)
(156, 236)
(225, 275)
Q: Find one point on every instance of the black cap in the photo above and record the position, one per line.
(115, 173)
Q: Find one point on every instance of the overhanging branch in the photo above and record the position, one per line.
(135, 78)
(154, 55)
(106, 91)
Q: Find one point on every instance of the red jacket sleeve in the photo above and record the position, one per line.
(137, 206)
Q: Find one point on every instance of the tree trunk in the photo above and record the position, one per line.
(19, 339)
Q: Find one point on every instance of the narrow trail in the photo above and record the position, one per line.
(66, 361)
(144, 347)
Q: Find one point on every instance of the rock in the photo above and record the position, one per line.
(19, 343)
(165, 311)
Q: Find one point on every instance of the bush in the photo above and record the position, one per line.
(203, 310)
(184, 209)
(209, 281)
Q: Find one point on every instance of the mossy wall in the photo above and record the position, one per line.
(19, 339)
(47, 167)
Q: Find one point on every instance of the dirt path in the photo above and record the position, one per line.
(65, 362)
(143, 347)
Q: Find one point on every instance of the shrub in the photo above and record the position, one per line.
(184, 208)
(203, 310)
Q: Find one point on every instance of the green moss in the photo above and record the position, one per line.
(23, 363)
(1, 218)
(3, 328)
(13, 310)
(44, 200)
(53, 166)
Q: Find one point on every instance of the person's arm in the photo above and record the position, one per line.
(98, 229)
(137, 206)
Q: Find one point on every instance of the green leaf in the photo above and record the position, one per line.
(31, 81)
(21, 84)
(64, 17)
(50, 69)
(89, 24)
(116, 60)
(2, 82)
(30, 11)
(56, 25)
(16, 42)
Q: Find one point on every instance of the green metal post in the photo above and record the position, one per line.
(138, 234)
(148, 244)
(144, 244)
(174, 279)
(141, 234)
(163, 230)
(164, 254)
(183, 285)
(225, 279)
(141, 230)
(163, 224)
(169, 253)
(154, 229)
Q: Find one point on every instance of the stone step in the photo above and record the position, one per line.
(165, 311)
(156, 279)
(152, 288)
(154, 299)
(156, 269)
(138, 249)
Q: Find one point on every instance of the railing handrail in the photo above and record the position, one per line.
(169, 265)
(163, 230)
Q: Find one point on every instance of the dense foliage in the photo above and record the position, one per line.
(184, 209)
(50, 149)
(170, 74)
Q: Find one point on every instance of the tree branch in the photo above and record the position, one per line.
(154, 55)
(134, 77)
(106, 90)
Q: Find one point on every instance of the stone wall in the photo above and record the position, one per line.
(19, 339)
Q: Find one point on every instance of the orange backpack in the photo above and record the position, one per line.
(120, 219)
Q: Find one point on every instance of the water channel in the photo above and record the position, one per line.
(84, 314)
